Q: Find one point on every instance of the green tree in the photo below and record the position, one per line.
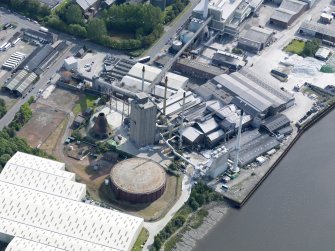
(74, 15)
(3, 109)
(311, 48)
(96, 29)
(4, 158)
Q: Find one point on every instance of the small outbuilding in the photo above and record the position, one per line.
(322, 53)
(70, 63)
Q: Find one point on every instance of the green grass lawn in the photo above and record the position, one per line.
(295, 46)
(142, 238)
(85, 101)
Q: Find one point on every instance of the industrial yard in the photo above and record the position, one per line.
(230, 91)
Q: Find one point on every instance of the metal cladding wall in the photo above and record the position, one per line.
(138, 198)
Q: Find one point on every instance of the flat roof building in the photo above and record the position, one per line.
(41, 207)
(254, 39)
(134, 78)
(228, 60)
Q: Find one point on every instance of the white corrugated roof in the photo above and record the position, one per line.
(150, 72)
(41, 164)
(35, 211)
(43, 182)
(19, 244)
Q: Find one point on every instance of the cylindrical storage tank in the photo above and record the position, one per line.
(177, 45)
(138, 180)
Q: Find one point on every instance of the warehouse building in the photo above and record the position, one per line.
(42, 37)
(210, 90)
(41, 209)
(317, 30)
(288, 12)
(275, 123)
(20, 83)
(254, 95)
(253, 145)
(255, 39)
(198, 70)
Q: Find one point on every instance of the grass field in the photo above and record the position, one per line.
(295, 46)
(142, 238)
(85, 101)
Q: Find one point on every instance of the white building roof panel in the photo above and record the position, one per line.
(39, 206)
(64, 223)
(19, 244)
(41, 164)
(43, 182)
(149, 75)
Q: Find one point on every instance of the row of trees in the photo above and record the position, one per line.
(10, 143)
(143, 21)
(30, 8)
(177, 7)
(200, 195)
(22, 116)
(3, 108)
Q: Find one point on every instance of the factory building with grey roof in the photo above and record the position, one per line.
(254, 39)
(253, 94)
(288, 12)
(317, 30)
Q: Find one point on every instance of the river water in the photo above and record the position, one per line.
(294, 209)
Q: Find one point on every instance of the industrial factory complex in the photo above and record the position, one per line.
(217, 101)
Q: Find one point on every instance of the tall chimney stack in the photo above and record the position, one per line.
(143, 70)
(205, 13)
(182, 122)
(165, 93)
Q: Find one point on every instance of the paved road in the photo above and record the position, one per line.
(171, 31)
(155, 227)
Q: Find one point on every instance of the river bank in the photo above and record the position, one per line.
(217, 212)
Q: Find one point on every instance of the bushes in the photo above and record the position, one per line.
(200, 195)
(171, 12)
(237, 51)
(143, 20)
(3, 109)
(31, 8)
(22, 116)
(10, 144)
(304, 49)
(311, 48)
